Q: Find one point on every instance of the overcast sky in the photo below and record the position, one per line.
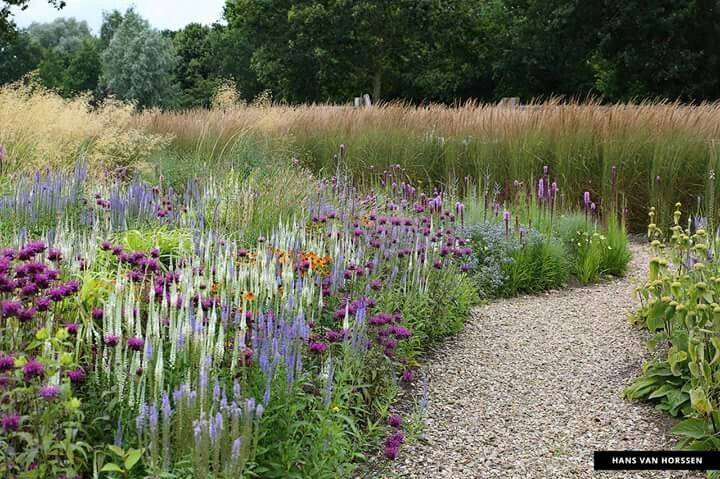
(162, 14)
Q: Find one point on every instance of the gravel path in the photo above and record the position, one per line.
(534, 385)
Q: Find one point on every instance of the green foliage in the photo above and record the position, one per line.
(594, 254)
(540, 264)
(138, 64)
(18, 57)
(435, 314)
(194, 69)
(680, 309)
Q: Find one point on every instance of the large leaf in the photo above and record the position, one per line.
(695, 428)
(133, 456)
(700, 401)
(111, 467)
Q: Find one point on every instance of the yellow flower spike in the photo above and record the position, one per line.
(42, 334)
(699, 266)
(20, 362)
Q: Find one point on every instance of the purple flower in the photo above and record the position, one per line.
(26, 314)
(6, 363)
(407, 376)
(316, 347)
(586, 199)
(49, 392)
(10, 422)
(9, 308)
(97, 314)
(57, 293)
(76, 375)
(43, 303)
(395, 439)
(391, 452)
(72, 328)
(395, 421)
(29, 289)
(136, 343)
(54, 254)
(33, 369)
(111, 340)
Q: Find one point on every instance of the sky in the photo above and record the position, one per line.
(162, 14)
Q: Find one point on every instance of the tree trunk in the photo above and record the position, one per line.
(377, 82)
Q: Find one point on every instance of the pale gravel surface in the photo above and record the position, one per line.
(534, 385)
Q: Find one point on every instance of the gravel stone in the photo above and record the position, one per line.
(534, 385)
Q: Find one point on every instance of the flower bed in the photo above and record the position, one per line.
(147, 331)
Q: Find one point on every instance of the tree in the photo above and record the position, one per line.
(663, 48)
(18, 57)
(545, 47)
(7, 27)
(196, 77)
(111, 21)
(83, 71)
(329, 49)
(70, 59)
(230, 58)
(138, 64)
(64, 36)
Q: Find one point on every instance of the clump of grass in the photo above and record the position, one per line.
(539, 265)
(43, 131)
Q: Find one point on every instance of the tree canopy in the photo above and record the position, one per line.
(417, 51)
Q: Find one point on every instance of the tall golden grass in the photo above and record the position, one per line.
(477, 119)
(39, 129)
(663, 152)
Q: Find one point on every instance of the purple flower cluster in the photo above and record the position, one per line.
(31, 284)
(393, 443)
(10, 422)
(140, 264)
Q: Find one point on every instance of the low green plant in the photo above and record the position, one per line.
(538, 265)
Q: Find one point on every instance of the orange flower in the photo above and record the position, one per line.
(248, 296)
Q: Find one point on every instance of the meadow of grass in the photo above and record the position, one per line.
(662, 152)
(645, 154)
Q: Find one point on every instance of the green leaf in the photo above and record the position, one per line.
(695, 428)
(662, 391)
(111, 467)
(133, 456)
(117, 451)
(700, 401)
